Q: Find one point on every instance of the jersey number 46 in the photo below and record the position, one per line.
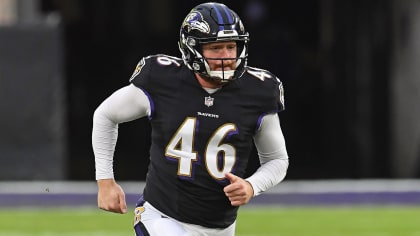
(219, 158)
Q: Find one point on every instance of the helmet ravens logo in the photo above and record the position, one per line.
(194, 21)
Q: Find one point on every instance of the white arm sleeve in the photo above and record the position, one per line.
(271, 148)
(126, 104)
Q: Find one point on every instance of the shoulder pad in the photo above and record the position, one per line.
(158, 59)
(265, 75)
(259, 73)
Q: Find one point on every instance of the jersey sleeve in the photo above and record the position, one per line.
(270, 90)
(141, 74)
(277, 91)
(153, 72)
(281, 103)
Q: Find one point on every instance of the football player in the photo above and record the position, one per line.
(206, 110)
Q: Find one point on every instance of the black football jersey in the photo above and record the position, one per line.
(197, 137)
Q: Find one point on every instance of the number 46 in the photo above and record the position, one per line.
(181, 147)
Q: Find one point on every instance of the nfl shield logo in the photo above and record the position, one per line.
(208, 101)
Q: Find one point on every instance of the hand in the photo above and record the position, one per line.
(111, 196)
(239, 191)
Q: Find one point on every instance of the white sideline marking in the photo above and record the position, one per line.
(287, 186)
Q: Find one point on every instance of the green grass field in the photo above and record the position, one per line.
(294, 221)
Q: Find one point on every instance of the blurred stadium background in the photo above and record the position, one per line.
(350, 70)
